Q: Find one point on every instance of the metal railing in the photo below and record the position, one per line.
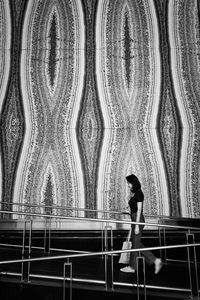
(105, 213)
(51, 216)
(79, 209)
(47, 229)
(25, 272)
(109, 283)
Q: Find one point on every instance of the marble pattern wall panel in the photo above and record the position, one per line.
(93, 90)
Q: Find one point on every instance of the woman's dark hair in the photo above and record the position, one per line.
(135, 182)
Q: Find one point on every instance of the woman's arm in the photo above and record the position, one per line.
(139, 211)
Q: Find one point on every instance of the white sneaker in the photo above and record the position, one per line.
(158, 265)
(128, 270)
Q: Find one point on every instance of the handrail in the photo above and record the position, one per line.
(97, 253)
(65, 207)
(85, 209)
(41, 248)
(99, 220)
(194, 289)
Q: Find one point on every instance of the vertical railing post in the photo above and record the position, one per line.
(108, 262)
(47, 236)
(68, 264)
(162, 241)
(192, 266)
(160, 237)
(23, 249)
(29, 248)
(25, 267)
(102, 239)
(165, 244)
(139, 275)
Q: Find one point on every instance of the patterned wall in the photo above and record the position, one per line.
(93, 90)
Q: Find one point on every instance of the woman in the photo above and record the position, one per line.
(136, 208)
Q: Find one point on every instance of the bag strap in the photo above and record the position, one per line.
(129, 235)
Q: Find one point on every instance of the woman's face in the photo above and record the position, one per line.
(130, 186)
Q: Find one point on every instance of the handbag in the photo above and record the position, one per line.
(125, 256)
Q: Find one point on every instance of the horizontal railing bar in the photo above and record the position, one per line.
(97, 253)
(20, 246)
(153, 287)
(65, 250)
(53, 277)
(177, 260)
(64, 207)
(98, 220)
(97, 281)
(85, 209)
(41, 248)
(115, 283)
(73, 279)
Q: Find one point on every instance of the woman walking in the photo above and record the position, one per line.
(136, 209)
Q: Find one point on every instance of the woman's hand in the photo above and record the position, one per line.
(137, 229)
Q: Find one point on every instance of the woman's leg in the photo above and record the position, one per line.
(148, 255)
(136, 243)
(135, 239)
(131, 268)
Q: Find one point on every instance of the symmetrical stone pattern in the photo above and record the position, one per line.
(93, 90)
